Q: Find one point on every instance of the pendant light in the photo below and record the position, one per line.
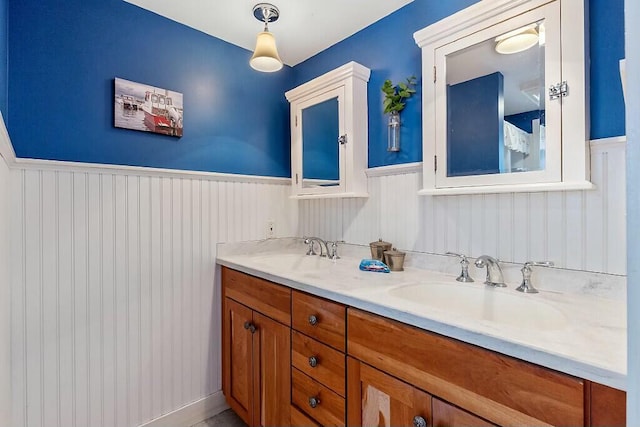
(265, 56)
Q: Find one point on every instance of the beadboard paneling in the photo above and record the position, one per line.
(115, 312)
(582, 230)
(5, 297)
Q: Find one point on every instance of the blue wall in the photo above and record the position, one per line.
(4, 37)
(607, 48)
(388, 49)
(475, 139)
(64, 56)
(320, 131)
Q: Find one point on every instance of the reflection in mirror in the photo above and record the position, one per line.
(495, 105)
(320, 156)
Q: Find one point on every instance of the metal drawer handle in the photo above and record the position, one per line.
(418, 421)
(313, 361)
(313, 320)
(314, 401)
(250, 326)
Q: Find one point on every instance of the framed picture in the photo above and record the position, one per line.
(147, 108)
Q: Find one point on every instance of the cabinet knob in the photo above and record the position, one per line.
(313, 320)
(418, 421)
(313, 361)
(314, 401)
(250, 326)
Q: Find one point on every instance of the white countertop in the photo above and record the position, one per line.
(582, 333)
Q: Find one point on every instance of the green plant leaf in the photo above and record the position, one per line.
(395, 94)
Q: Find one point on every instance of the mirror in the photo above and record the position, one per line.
(489, 122)
(329, 139)
(320, 155)
(495, 105)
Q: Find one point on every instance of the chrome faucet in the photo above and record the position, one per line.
(311, 242)
(494, 272)
(464, 265)
(526, 286)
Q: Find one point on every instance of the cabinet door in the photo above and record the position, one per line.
(272, 372)
(608, 406)
(237, 375)
(446, 415)
(377, 399)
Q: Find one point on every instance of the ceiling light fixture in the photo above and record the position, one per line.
(517, 40)
(265, 56)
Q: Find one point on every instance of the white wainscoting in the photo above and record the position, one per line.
(5, 297)
(582, 230)
(115, 313)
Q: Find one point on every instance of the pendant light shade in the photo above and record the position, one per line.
(265, 56)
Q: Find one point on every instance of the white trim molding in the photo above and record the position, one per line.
(398, 169)
(63, 166)
(192, 413)
(612, 141)
(6, 148)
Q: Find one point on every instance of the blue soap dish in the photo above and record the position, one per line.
(374, 265)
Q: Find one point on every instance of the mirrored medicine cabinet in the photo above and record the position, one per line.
(507, 107)
(329, 134)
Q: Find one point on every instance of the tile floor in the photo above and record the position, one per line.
(227, 418)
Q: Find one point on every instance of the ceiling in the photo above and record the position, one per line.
(304, 29)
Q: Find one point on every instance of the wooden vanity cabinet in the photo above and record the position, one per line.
(497, 388)
(256, 349)
(608, 406)
(368, 370)
(318, 360)
(378, 399)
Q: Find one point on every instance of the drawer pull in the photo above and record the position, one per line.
(418, 421)
(250, 326)
(314, 401)
(313, 361)
(313, 320)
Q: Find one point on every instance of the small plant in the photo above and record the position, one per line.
(395, 95)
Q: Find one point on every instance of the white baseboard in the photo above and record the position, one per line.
(192, 413)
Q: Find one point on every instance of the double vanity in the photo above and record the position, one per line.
(313, 341)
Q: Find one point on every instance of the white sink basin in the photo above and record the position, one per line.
(292, 262)
(482, 303)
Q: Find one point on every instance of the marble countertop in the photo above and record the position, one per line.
(576, 324)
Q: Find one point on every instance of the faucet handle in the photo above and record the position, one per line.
(332, 249)
(526, 286)
(309, 241)
(464, 264)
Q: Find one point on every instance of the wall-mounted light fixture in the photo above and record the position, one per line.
(265, 56)
(517, 40)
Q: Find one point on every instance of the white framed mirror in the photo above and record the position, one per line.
(489, 124)
(320, 124)
(329, 135)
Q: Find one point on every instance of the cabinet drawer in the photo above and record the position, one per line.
(261, 295)
(498, 388)
(300, 419)
(330, 410)
(329, 366)
(319, 318)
